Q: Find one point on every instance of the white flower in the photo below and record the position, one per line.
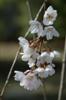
(27, 51)
(25, 57)
(18, 75)
(31, 62)
(30, 57)
(50, 70)
(45, 57)
(49, 16)
(30, 81)
(56, 53)
(23, 42)
(29, 54)
(50, 32)
(45, 72)
(36, 27)
(41, 72)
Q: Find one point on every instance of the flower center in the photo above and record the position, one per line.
(49, 17)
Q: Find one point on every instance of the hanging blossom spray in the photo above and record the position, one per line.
(35, 52)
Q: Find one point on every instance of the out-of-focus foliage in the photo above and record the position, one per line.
(14, 17)
(60, 24)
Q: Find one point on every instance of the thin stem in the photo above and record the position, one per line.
(44, 93)
(45, 4)
(28, 5)
(40, 47)
(9, 74)
(10, 71)
(62, 73)
(29, 11)
(39, 11)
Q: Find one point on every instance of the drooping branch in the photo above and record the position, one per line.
(10, 71)
(62, 72)
(9, 74)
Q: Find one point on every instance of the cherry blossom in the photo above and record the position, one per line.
(29, 81)
(38, 57)
(29, 54)
(50, 32)
(45, 72)
(18, 75)
(49, 16)
(45, 57)
(35, 27)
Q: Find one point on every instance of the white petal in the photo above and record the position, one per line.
(46, 57)
(23, 42)
(56, 34)
(49, 16)
(28, 50)
(51, 55)
(31, 62)
(50, 32)
(31, 83)
(47, 22)
(41, 72)
(56, 53)
(18, 75)
(25, 57)
(51, 70)
(36, 27)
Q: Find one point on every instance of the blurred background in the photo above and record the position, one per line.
(14, 22)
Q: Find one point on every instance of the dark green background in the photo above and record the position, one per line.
(14, 17)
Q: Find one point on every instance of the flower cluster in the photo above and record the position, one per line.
(48, 19)
(38, 57)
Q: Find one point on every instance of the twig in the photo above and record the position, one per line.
(43, 6)
(45, 1)
(39, 12)
(29, 11)
(9, 74)
(44, 93)
(62, 73)
(10, 71)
